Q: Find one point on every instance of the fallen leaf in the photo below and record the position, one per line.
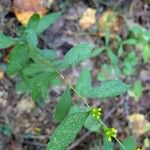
(1, 74)
(139, 123)
(24, 9)
(110, 21)
(88, 19)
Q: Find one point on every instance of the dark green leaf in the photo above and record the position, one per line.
(84, 82)
(18, 58)
(33, 21)
(6, 41)
(63, 105)
(110, 88)
(66, 132)
(77, 54)
(46, 21)
(34, 69)
(40, 83)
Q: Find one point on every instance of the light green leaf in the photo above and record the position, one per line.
(129, 42)
(113, 57)
(84, 82)
(97, 51)
(129, 143)
(146, 52)
(92, 124)
(137, 90)
(63, 105)
(77, 54)
(49, 54)
(107, 145)
(66, 132)
(46, 21)
(18, 57)
(6, 41)
(110, 88)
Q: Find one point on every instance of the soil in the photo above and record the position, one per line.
(28, 124)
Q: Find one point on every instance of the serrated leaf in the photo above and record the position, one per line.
(46, 21)
(66, 132)
(129, 143)
(40, 83)
(84, 82)
(18, 57)
(6, 41)
(107, 145)
(77, 54)
(110, 88)
(63, 105)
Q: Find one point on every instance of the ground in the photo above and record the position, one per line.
(28, 125)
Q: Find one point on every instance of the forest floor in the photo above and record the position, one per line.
(26, 125)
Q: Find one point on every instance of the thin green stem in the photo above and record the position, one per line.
(38, 58)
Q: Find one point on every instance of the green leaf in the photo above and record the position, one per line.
(49, 54)
(107, 38)
(129, 63)
(63, 105)
(18, 57)
(110, 88)
(112, 56)
(6, 41)
(31, 37)
(40, 83)
(97, 51)
(146, 52)
(129, 42)
(22, 87)
(107, 145)
(92, 124)
(46, 21)
(77, 54)
(66, 132)
(129, 143)
(35, 69)
(84, 82)
(33, 21)
(137, 90)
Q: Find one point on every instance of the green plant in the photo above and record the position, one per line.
(38, 69)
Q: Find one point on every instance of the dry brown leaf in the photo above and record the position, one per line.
(88, 19)
(139, 123)
(110, 21)
(1, 74)
(24, 9)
